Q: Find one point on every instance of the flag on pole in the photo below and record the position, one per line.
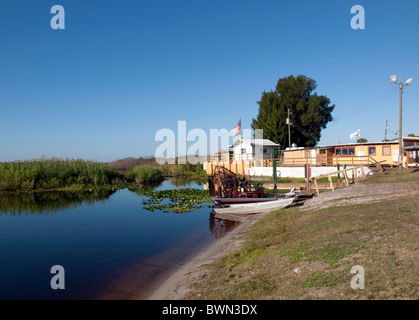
(355, 134)
(238, 128)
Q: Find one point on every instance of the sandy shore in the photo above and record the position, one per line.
(177, 284)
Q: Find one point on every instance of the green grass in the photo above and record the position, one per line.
(144, 173)
(51, 174)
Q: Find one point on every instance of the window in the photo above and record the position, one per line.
(386, 151)
(409, 143)
(307, 154)
(345, 152)
(371, 151)
(244, 150)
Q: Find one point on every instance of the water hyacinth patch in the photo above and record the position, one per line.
(177, 200)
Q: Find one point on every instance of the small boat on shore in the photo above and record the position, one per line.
(244, 200)
(256, 207)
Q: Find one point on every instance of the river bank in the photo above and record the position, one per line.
(308, 252)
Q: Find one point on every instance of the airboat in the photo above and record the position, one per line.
(227, 189)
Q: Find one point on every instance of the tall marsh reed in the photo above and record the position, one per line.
(144, 173)
(49, 174)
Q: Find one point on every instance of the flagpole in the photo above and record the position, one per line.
(241, 134)
(241, 141)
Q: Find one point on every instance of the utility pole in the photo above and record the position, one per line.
(385, 131)
(289, 129)
(393, 79)
(400, 131)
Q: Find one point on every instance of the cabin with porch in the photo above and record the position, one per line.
(385, 153)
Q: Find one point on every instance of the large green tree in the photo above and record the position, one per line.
(309, 112)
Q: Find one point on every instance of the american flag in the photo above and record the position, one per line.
(238, 128)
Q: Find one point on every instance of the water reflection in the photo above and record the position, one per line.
(108, 250)
(143, 188)
(44, 203)
(185, 181)
(219, 227)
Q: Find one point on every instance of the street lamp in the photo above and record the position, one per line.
(393, 79)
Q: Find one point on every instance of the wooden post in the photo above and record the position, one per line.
(317, 188)
(346, 177)
(331, 183)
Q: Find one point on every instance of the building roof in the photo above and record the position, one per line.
(256, 142)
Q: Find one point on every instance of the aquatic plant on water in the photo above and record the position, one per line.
(177, 200)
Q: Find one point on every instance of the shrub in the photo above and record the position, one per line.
(144, 173)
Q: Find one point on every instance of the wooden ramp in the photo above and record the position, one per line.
(344, 172)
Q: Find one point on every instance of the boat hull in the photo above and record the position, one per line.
(228, 201)
(253, 208)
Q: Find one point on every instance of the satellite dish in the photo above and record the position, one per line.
(409, 81)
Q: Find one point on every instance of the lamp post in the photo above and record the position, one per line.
(393, 79)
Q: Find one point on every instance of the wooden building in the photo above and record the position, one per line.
(368, 153)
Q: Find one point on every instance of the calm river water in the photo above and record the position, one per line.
(109, 247)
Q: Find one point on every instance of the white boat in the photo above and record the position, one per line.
(251, 208)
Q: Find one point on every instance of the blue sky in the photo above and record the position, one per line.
(122, 70)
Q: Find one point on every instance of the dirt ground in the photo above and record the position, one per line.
(362, 193)
(178, 285)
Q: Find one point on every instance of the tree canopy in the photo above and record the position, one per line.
(309, 112)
